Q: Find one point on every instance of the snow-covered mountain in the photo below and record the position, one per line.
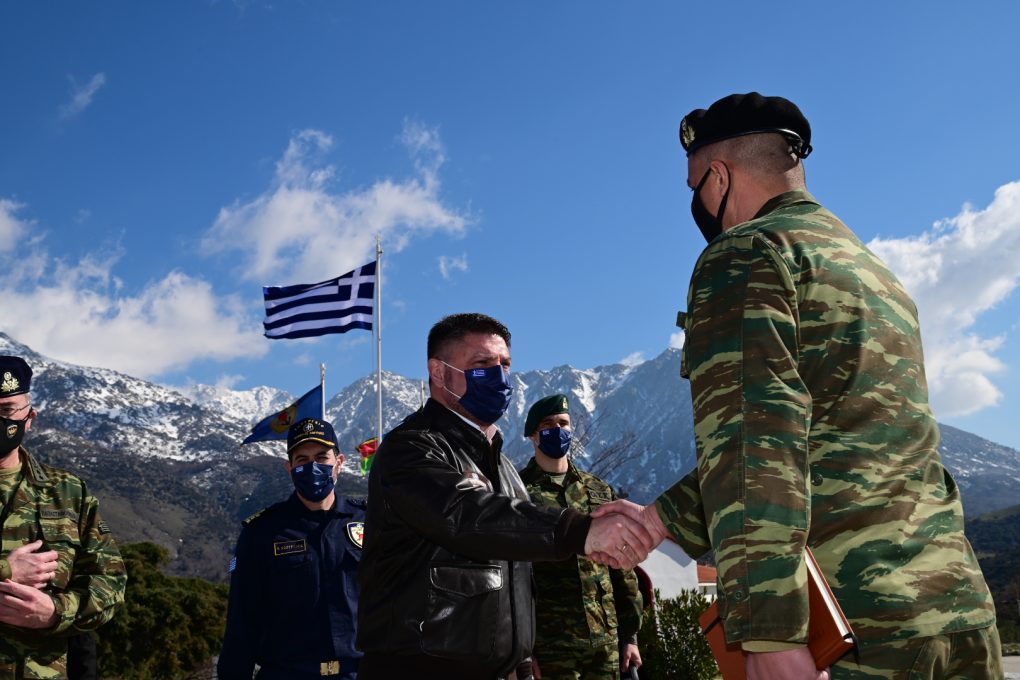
(168, 466)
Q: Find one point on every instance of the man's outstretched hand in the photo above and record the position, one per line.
(617, 549)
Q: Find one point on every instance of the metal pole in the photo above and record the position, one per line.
(322, 389)
(378, 337)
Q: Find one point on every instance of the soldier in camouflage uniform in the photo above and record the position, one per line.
(812, 424)
(586, 613)
(60, 571)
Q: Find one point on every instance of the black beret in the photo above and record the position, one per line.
(311, 430)
(15, 376)
(547, 406)
(746, 114)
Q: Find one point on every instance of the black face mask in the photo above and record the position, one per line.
(709, 224)
(11, 433)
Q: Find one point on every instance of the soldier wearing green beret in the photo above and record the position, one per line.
(60, 571)
(587, 615)
(812, 424)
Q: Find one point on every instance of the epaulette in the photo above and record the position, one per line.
(254, 517)
(358, 501)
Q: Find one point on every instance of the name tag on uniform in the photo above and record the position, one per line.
(598, 497)
(282, 548)
(356, 532)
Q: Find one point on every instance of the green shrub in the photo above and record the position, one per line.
(169, 627)
(671, 643)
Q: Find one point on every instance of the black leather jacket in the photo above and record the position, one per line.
(449, 535)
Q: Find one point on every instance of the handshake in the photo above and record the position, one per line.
(622, 534)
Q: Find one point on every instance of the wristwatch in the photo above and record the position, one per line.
(5, 570)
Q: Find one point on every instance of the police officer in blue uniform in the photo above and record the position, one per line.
(293, 582)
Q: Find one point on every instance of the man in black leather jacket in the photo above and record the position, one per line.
(446, 587)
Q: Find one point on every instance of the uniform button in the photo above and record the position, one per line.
(816, 479)
(738, 595)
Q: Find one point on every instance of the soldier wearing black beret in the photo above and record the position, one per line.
(61, 575)
(812, 424)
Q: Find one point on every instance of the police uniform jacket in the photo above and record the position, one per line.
(293, 589)
(450, 532)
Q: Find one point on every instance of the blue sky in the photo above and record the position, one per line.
(160, 162)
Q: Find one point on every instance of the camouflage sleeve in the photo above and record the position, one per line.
(681, 511)
(751, 415)
(629, 604)
(98, 577)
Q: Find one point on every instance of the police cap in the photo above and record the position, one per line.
(746, 114)
(311, 430)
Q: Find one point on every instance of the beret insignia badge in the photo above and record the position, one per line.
(686, 133)
(10, 383)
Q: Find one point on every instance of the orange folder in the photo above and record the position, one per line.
(829, 633)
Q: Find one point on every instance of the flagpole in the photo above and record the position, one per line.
(378, 337)
(322, 389)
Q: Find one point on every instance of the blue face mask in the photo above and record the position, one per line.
(488, 392)
(313, 481)
(554, 442)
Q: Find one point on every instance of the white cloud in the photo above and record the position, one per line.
(449, 264)
(676, 340)
(81, 97)
(961, 268)
(11, 228)
(80, 313)
(633, 359)
(302, 230)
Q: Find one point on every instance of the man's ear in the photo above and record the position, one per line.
(32, 413)
(721, 175)
(287, 465)
(339, 460)
(436, 371)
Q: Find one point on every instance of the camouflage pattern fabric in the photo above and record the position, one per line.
(55, 506)
(969, 655)
(580, 606)
(595, 663)
(813, 429)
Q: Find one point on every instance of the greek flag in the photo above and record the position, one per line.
(334, 306)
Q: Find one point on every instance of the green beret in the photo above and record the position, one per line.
(548, 406)
(746, 114)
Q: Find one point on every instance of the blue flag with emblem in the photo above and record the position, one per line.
(309, 310)
(276, 425)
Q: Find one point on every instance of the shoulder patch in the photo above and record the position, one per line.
(356, 533)
(103, 527)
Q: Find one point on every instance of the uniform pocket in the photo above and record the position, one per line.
(61, 534)
(462, 610)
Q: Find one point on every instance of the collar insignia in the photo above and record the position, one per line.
(356, 532)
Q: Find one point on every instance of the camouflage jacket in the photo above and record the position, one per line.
(55, 506)
(579, 603)
(813, 429)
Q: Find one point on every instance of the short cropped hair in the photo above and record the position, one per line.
(451, 329)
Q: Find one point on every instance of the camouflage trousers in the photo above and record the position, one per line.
(580, 663)
(969, 655)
